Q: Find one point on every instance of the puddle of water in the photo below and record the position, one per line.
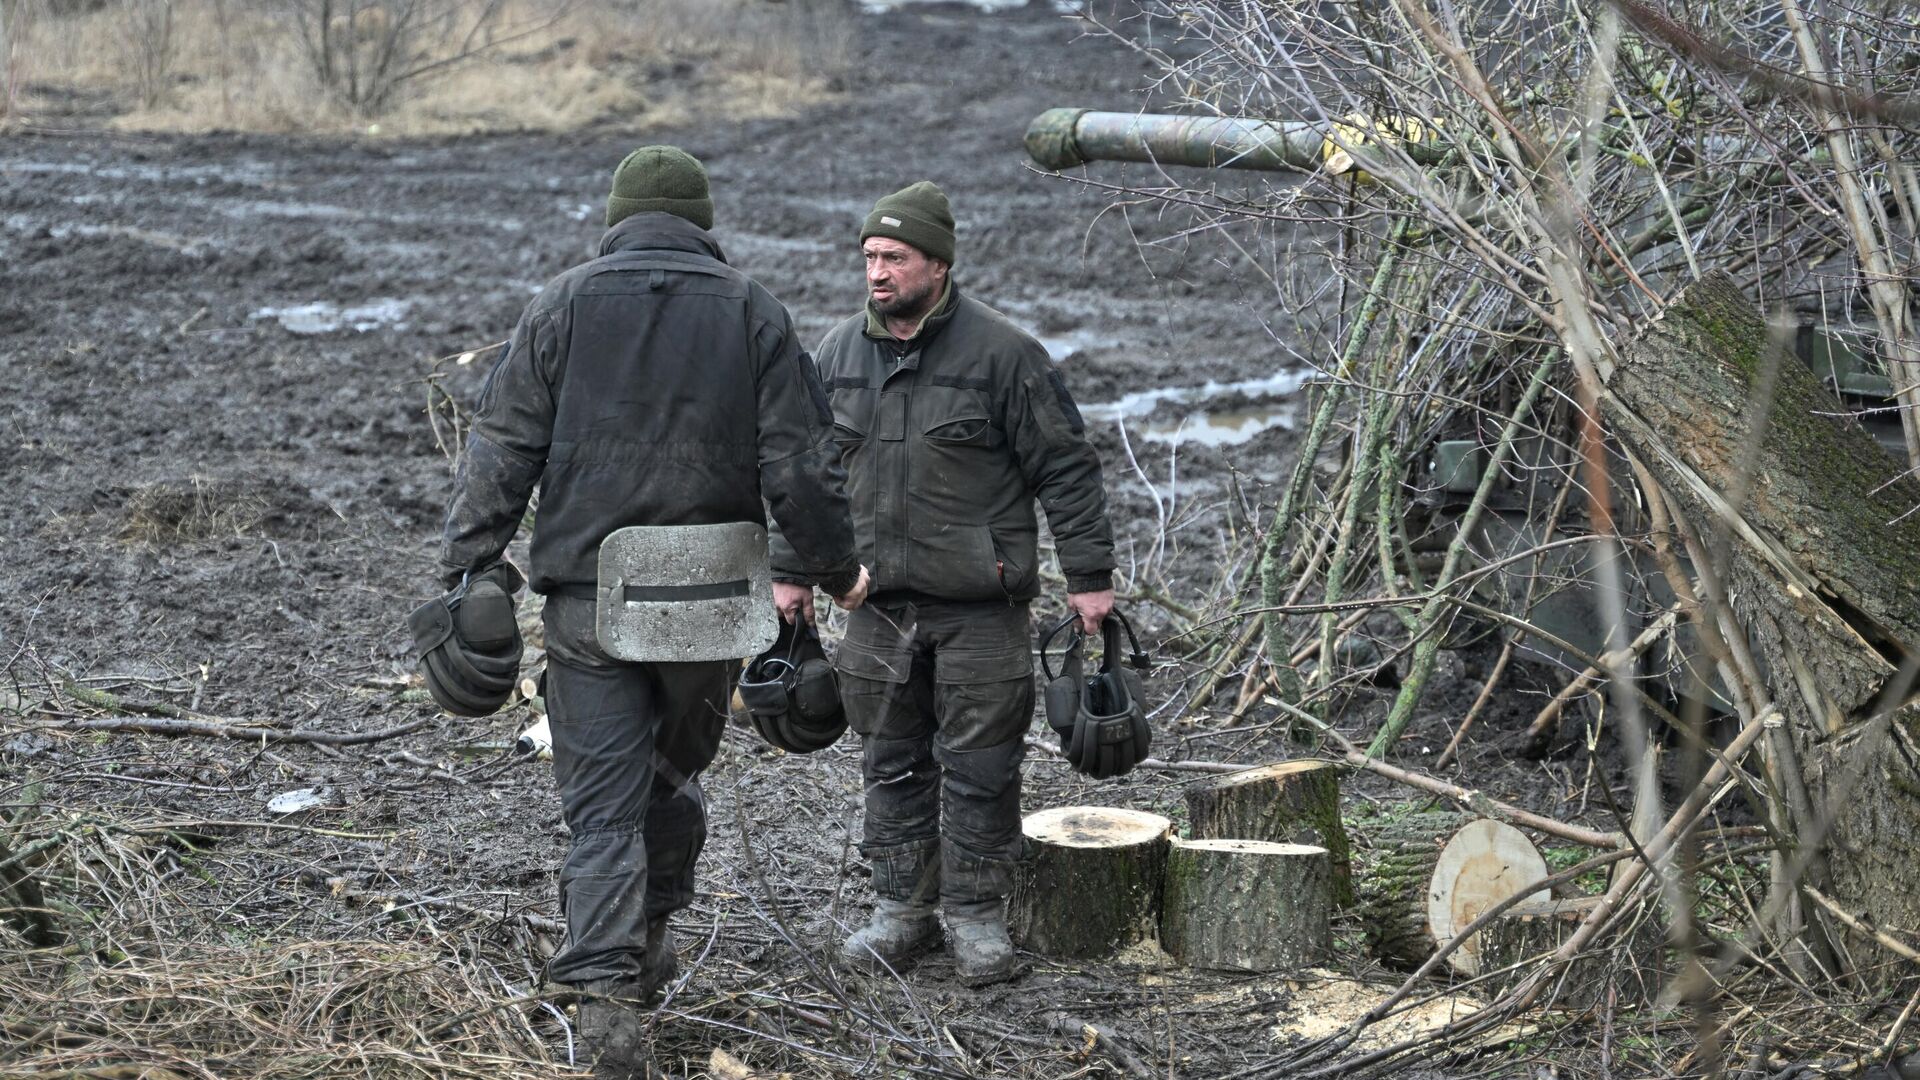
(245, 173)
(1061, 346)
(1216, 429)
(321, 317)
(1143, 402)
(798, 244)
(63, 230)
(879, 7)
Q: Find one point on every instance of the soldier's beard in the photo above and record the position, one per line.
(906, 305)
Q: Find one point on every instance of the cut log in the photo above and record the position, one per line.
(1093, 884)
(1291, 802)
(1487, 861)
(1821, 555)
(1429, 874)
(1247, 905)
(1631, 968)
(1392, 871)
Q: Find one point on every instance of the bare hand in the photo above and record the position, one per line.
(857, 595)
(793, 601)
(1092, 607)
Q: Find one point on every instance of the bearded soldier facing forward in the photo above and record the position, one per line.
(951, 421)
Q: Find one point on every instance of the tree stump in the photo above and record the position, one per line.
(1429, 874)
(1093, 884)
(1631, 966)
(1291, 802)
(1247, 905)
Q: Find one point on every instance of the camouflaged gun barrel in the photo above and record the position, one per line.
(1062, 138)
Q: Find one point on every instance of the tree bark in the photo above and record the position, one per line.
(1291, 802)
(1093, 885)
(1391, 874)
(1821, 569)
(1246, 905)
(1633, 969)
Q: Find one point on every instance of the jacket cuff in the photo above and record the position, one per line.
(840, 584)
(785, 578)
(1097, 582)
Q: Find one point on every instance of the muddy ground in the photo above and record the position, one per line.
(224, 491)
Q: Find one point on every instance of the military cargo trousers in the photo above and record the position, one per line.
(942, 695)
(629, 744)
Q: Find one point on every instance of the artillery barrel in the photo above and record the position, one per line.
(1062, 138)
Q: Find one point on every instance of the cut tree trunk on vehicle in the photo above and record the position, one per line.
(1247, 905)
(1093, 885)
(1631, 966)
(1426, 875)
(1822, 552)
(1291, 802)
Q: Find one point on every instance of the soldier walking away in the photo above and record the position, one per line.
(951, 422)
(653, 392)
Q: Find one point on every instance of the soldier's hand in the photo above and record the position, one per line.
(1092, 607)
(857, 595)
(793, 601)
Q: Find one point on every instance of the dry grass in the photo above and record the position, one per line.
(196, 509)
(103, 973)
(244, 65)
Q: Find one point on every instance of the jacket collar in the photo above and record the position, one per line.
(930, 325)
(654, 230)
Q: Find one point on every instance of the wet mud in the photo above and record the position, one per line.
(224, 488)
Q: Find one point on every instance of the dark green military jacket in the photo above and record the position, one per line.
(947, 440)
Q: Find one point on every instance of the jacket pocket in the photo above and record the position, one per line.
(852, 414)
(956, 561)
(1019, 578)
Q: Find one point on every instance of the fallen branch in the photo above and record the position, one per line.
(214, 729)
(1097, 1037)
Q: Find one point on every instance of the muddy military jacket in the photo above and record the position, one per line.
(654, 385)
(947, 440)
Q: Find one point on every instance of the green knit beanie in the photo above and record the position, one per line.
(917, 214)
(660, 178)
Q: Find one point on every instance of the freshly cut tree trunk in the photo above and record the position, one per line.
(1291, 802)
(1822, 550)
(1429, 874)
(1247, 905)
(1093, 884)
(1392, 870)
(1631, 968)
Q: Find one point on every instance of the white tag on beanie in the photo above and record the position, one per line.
(893, 221)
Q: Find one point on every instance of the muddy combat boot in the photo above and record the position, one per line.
(982, 952)
(613, 1029)
(897, 931)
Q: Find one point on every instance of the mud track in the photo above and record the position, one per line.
(224, 490)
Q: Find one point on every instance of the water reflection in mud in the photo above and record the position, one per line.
(1144, 402)
(321, 317)
(1227, 428)
(876, 7)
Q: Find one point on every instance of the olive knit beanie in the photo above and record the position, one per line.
(663, 178)
(917, 214)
